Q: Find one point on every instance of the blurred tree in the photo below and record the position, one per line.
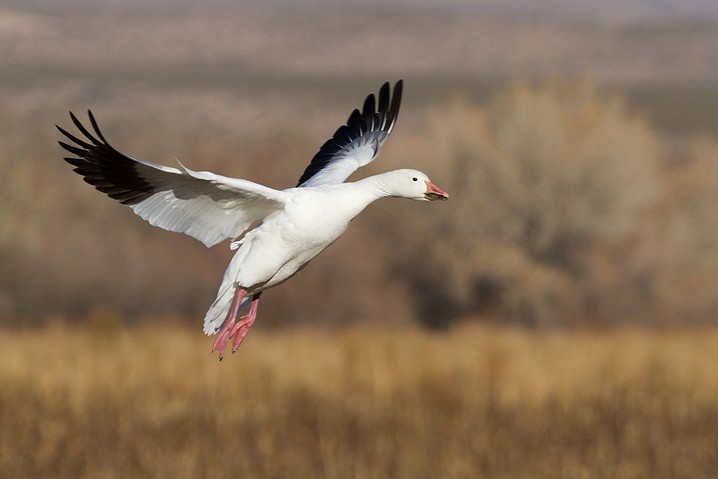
(538, 179)
(686, 236)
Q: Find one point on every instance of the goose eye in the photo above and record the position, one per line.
(415, 179)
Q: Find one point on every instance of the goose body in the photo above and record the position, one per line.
(275, 232)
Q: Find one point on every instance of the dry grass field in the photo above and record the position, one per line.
(574, 203)
(104, 402)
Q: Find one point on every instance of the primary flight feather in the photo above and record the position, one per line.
(291, 226)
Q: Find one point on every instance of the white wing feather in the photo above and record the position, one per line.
(356, 143)
(209, 207)
(206, 206)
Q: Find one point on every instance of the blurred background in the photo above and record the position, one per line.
(578, 141)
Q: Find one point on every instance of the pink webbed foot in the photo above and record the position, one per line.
(227, 329)
(222, 338)
(242, 327)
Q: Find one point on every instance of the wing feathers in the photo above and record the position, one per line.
(211, 207)
(384, 99)
(393, 112)
(368, 114)
(356, 143)
(206, 206)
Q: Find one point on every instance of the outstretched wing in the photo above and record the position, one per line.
(357, 143)
(208, 207)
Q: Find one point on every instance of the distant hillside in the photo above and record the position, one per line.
(58, 55)
(594, 9)
(211, 46)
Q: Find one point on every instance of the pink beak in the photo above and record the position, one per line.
(433, 192)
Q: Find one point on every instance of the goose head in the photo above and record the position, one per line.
(415, 185)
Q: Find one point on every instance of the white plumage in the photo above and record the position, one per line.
(291, 226)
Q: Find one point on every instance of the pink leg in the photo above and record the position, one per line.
(226, 332)
(241, 327)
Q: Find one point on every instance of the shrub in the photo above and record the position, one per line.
(686, 237)
(541, 178)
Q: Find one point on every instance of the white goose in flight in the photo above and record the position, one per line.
(275, 232)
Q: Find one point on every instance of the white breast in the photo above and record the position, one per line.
(286, 241)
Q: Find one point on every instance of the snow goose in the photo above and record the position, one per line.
(275, 232)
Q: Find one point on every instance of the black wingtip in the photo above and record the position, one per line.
(377, 117)
(101, 165)
(61, 130)
(395, 104)
(94, 125)
(398, 90)
(74, 119)
(385, 88)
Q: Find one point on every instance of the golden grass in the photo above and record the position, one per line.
(365, 403)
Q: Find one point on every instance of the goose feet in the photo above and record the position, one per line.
(235, 329)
